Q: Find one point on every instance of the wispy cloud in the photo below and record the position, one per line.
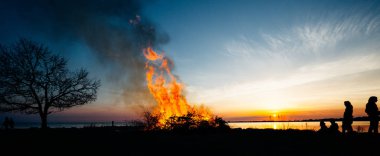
(317, 51)
(301, 75)
(309, 39)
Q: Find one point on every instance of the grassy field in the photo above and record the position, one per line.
(129, 141)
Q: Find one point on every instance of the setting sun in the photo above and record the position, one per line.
(274, 115)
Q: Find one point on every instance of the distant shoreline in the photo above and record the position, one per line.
(269, 121)
(363, 118)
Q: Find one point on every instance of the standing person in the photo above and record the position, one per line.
(373, 114)
(6, 123)
(347, 118)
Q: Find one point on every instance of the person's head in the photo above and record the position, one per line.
(347, 103)
(322, 123)
(372, 99)
(332, 121)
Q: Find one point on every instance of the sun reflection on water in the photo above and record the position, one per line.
(359, 126)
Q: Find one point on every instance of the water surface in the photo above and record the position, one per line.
(359, 126)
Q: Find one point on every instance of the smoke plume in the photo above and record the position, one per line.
(113, 29)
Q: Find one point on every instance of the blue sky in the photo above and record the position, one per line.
(245, 58)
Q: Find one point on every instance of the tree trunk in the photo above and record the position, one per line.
(43, 121)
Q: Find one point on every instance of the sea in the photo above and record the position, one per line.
(358, 126)
(26, 125)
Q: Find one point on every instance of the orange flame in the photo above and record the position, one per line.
(168, 93)
(151, 55)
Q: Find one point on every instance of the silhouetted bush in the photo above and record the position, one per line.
(190, 121)
(151, 121)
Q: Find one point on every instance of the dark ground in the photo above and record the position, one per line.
(128, 141)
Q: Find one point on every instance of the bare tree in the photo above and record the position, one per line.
(33, 80)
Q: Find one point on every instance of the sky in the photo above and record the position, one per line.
(244, 59)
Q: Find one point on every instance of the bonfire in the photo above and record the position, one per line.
(172, 109)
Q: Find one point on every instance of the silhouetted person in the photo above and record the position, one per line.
(373, 114)
(347, 118)
(323, 129)
(334, 128)
(6, 123)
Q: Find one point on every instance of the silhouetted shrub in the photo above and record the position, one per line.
(190, 121)
(151, 121)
